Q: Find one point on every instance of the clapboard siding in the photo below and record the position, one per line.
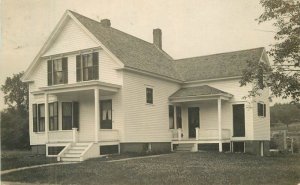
(146, 122)
(108, 69)
(71, 38)
(261, 125)
(231, 86)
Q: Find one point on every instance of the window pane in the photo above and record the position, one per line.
(178, 117)
(171, 116)
(41, 110)
(149, 95)
(58, 65)
(67, 109)
(51, 109)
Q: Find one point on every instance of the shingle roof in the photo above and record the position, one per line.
(139, 54)
(132, 51)
(218, 65)
(198, 91)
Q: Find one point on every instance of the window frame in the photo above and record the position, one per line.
(40, 119)
(53, 118)
(178, 117)
(52, 72)
(81, 68)
(261, 109)
(75, 119)
(171, 117)
(151, 100)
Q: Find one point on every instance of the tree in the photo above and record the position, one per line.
(285, 113)
(283, 77)
(16, 92)
(14, 119)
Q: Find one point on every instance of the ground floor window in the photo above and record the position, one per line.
(38, 115)
(70, 115)
(55, 150)
(171, 117)
(109, 149)
(53, 116)
(178, 117)
(106, 114)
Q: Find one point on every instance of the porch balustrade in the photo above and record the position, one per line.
(108, 135)
(203, 134)
(60, 136)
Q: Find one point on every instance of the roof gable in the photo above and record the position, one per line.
(70, 38)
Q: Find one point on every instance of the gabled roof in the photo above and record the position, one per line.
(137, 54)
(198, 91)
(214, 66)
(132, 51)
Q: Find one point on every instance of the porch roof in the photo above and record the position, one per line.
(79, 86)
(198, 93)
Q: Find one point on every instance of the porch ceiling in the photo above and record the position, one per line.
(204, 92)
(80, 86)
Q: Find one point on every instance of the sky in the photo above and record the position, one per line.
(189, 27)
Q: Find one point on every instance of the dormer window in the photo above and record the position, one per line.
(87, 67)
(58, 71)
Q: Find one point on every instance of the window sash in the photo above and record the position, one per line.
(178, 117)
(87, 67)
(53, 116)
(58, 71)
(149, 95)
(67, 115)
(171, 117)
(41, 118)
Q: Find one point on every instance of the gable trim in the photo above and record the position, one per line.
(52, 37)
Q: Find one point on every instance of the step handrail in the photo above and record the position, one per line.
(63, 151)
(85, 150)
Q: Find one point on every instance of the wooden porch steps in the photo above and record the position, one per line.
(184, 147)
(74, 152)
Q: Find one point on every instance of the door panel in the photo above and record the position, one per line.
(106, 114)
(238, 120)
(193, 119)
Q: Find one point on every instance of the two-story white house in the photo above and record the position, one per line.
(95, 90)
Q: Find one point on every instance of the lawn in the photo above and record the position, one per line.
(175, 169)
(17, 159)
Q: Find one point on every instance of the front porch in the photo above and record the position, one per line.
(76, 116)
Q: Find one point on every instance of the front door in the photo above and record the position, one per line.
(193, 113)
(238, 120)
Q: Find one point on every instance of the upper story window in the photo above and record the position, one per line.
(149, 95)
(58, 71)
(261, 109)
(87, 67)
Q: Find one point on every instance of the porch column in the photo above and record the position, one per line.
(97, 113)
(220, 124)
(46, 117)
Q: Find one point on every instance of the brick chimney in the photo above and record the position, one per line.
(157, 38)
(105, 22)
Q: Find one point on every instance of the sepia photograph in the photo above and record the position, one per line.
(161, 92)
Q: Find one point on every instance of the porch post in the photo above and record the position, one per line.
(220, 124)
(46, 117)
(97, 112)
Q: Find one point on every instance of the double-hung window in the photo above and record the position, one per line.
(149, 95)
(58, 71)
(53, 116)
(38, 115)
(87, 67)
(261, 109)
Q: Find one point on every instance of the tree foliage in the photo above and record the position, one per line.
(285, 113)
(16, 92)
(283, 77)
(14, 119)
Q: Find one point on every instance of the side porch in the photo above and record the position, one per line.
(200, 115)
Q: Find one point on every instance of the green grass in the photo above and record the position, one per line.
(17, 159)
(175, 169)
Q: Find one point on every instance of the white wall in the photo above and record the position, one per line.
(71, 38)
(261, 125)
(146, 122)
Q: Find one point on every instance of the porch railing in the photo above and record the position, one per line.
(203, 134)
(213, 134)
(60, 136)
(108, 135)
